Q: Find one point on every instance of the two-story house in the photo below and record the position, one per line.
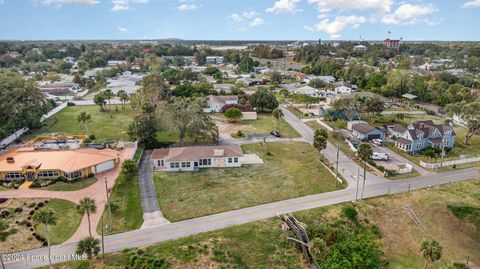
(422, 134)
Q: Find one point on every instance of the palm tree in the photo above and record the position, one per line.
(123, 96)
(4, 233)
(108, 94)
(99, 100)
(277, 114)
(45, 217)
(90, 247)
(365, 152)
(431, 251)
(320, 143)
(84, 118)
(87, 205)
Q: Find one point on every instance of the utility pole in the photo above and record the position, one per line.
(358, 181)
(103, 243)
(110, 226)
(336, 168)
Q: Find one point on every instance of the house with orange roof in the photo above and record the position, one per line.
(31, 163)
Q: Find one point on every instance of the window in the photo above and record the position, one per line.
(235, 160)
(73, 175)
(160, 162)
(47, 174)
(172, 165)
(177, 165)
(13, 175)
(230, 160)
(205, 162)
(185, 164)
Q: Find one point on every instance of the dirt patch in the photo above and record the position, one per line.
(225, 128)
(22, 234)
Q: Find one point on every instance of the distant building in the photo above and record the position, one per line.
(215, 59)
(360, 48)
(193, 158)
(393, 44)
(343, 87)
(115, 63)
(215, 103)
(365, 132)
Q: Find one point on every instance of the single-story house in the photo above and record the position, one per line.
(365, 132)
(216, 102)
(31, 164)
(193, 158)
(343, 87)
(409, 96)
(215, 59)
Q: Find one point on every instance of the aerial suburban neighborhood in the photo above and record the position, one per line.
(180, 134)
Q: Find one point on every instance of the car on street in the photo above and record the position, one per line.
(276, 133)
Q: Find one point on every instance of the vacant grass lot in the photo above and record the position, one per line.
(68, 220)
(127, 214)
(102, 126)
(289, 171)
(66, 186)
(263, 244)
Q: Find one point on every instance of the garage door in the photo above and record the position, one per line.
(374, 136)
(105, 166)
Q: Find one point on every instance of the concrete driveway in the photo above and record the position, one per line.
(395, 158)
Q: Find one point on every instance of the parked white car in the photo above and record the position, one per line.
(380, 156)
(378, 142)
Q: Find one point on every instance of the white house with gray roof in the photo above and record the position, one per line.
(422, 134)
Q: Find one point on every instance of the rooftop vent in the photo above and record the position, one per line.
(10, 160)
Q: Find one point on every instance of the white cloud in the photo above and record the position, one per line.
(122, 29)
(250, 14)
(284, 6)
(409, 14)
(377, 6)
(61, 2)
(472, 4)
(187, 7)
(235, 17)
(334, 28)
(124, 5)
(257, 22)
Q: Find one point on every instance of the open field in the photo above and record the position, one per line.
(264, 124)
(289, 171)
(66, 186)
(22, 232)
(102, 126)
(263, 244)
(127, 213)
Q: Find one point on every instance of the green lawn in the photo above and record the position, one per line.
(266, 123)
(127, 214)
(3, 188)
(449, 213)
(289, 171)
(102, 126)
(67, 186)
(68, 220)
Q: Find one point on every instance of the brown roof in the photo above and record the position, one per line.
(363, 128)
(404, 141)
(64, 160)
(399, 128)
(196, 153)
(342, 83)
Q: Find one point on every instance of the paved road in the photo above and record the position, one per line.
(156, 234)
(148, 193)
(347, 168)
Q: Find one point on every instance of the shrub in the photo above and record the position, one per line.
(36, 184)
(243, 108)
(240, 133)
(233, 114)
(18, 210)
(92, 137)
(129, 167)
(350, 212)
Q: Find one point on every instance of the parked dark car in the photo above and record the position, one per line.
(276, 133)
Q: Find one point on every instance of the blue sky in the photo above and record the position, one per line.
(239, 19)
